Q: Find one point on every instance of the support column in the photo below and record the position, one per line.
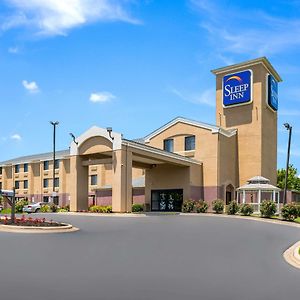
(122, 181)
(259, 199)
(244, 196)
(78, 184)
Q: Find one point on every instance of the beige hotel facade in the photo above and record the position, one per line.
(183, 159)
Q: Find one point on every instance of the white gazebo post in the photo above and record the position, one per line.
(278, 202)
(259, 199)
(244, 196)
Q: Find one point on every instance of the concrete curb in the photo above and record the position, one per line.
(292, 256)
(119, 215)
(31, 229)
(258, 219)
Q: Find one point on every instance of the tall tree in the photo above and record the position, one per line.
(293, 182)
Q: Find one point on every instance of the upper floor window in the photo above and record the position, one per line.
(189, 143)
(56, 164)
(17, 184)
(94, 179)
(17, 168)
(46, 165)
(25, 167)
(0, 170)
(25, 184)
(45, 183)
(0, 185)
(169, 145)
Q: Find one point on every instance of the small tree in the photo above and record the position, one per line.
(293, 182)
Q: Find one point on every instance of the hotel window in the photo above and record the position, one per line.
(25, 184)
(25, 167)
(0, 170)
(46, 165)
(17, 168)
(0, 185)
(56, 182)
(46, 183)
(56, 164)
(94, 179)
(189, 143)
(17, 184)
(169, 145)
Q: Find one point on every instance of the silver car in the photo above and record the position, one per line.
(34, 207)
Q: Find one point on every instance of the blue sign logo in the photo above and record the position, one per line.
(237, 88)
(272, 92)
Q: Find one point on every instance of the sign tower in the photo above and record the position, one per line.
(247, 100)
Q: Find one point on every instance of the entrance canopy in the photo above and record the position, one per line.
(256, 190)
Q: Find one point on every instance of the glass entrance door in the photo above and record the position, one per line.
(166, 200)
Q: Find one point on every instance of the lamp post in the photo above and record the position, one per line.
(289, 128)
(54, 124)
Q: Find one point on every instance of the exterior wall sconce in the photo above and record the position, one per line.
(109, 130)
(73, 137)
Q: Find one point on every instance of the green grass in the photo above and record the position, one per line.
(297, 220)
(5, 211)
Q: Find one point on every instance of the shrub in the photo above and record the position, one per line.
(20, 204)
(232, 208)
(100, 209)
(200, 206)
(66, 207)
(137, 207)
(289, 212)
(218, 206)
(267, 208)
(53, 207)
(246, 209)
(62, 210)
(45, 209)
(188, 206)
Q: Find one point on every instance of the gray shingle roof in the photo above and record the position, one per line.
(36, 157)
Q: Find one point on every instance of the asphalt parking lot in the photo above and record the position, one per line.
(154, 257)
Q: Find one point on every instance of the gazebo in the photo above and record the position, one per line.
(256, 190)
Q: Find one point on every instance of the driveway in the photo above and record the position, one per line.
(154, 257)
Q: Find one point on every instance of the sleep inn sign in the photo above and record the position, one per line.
(237, 88)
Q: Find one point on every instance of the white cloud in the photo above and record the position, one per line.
(207, 97)
(13, 50)
(32, 86)
(56, 17)
(16, 137)
(255, 33)
(101, 97)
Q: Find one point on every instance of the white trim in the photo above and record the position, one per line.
(94, 132)
(212, 128)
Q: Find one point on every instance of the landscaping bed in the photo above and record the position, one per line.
(30, 222)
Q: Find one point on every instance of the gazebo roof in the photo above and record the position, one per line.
(258, 183)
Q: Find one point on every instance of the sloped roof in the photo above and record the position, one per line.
(36, 157)
(213, 128)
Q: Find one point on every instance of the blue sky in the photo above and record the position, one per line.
(134, 65)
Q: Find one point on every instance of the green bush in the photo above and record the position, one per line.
(268, 208)
(289, 212)
(20, 204)
(246, 209)
(45, 209)
(200, 206)
(232, 208)
(100, 209)
(137, 207)
(53, 207)
(188, 206)
(218, 206)
(62, 210)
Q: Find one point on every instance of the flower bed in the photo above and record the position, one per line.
(31, 222)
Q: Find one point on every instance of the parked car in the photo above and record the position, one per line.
(34, 207)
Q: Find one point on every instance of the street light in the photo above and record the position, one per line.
(109, 130)
(289, 128)
(54, 124)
